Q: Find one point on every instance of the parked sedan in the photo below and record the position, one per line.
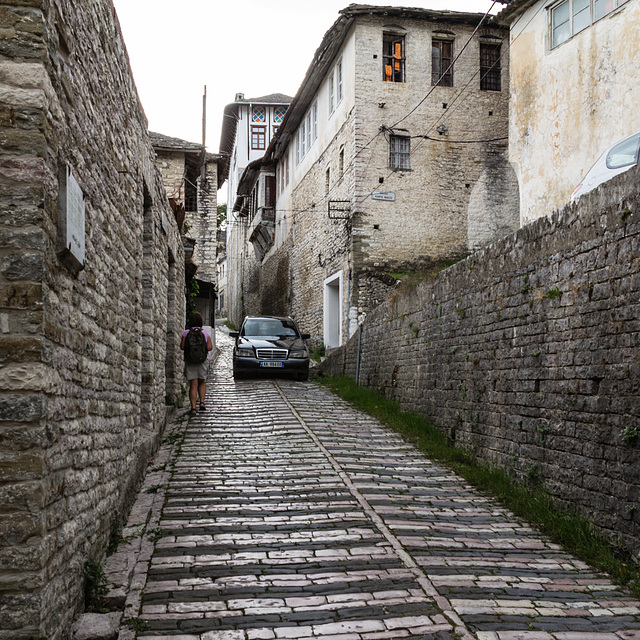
(270, 345)
(618, 158)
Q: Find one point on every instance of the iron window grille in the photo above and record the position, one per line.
(490, 70)
(190, 196)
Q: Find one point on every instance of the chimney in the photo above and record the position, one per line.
(239, 97)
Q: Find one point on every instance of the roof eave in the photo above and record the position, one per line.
(512, 11)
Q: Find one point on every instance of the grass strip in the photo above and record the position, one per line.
(531, 503)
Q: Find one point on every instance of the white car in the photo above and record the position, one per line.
(616, 159)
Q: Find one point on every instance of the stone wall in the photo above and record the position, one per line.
(526, 353)
(87, 356)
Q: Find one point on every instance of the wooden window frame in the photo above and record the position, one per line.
(393, 57)
(258, 133)
(442, 65)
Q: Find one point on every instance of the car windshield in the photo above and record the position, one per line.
(624, 153)
(263, 327)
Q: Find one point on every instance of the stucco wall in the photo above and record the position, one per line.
(569, 103)
(87, 358)
(526, 354)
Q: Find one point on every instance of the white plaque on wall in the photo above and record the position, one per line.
(71, 219)
(388, 196)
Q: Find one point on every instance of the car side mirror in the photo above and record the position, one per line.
(234, 334)
(305, 336)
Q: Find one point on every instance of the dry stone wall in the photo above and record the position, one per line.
(87, 356)
(526, 353)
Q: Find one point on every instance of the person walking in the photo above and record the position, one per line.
(196, 344)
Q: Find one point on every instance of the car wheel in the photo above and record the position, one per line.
(303, 376)
(237, 375)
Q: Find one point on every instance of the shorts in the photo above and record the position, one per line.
(193, 371)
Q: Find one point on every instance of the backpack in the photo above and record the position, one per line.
(195, 346)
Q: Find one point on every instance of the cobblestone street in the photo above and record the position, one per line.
(291, 515)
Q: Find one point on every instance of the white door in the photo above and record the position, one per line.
(333, 311)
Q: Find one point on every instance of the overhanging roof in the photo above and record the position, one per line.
(230, 122)
(513, 9)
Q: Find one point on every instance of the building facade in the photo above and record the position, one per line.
(248, 126)
(575, 89)
(190, 177)
(392, 157)
(91, 304)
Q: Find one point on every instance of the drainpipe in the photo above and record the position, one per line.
(358, 354)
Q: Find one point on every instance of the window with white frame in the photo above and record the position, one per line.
(332, 94)
(314, 119)
(336, 87)
(399, 148)
(307, 133)
(572, 16)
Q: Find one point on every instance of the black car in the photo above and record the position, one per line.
(270, 345)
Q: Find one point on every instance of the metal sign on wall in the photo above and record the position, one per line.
(71, 220)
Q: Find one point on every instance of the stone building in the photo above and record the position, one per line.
(392, 157)
(190, 177)
(221, 273)
(91, 304)
(248, 125)
(575, 88)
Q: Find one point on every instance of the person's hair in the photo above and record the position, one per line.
(195, 320)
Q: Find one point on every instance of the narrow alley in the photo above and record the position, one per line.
(288, 514)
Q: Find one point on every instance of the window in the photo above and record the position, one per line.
(307, 133)
(339, 90)
(190, 196)
(623, 154)
(327, 181)
(332, 94)
(442, 63)
(393, 57)
(270, 192)
(314, 119)
(258, 114)
(278, 114)
(572, 16)
(341, 161)
(490, 67)
(399, 152)
(309, 127)
(258, 138)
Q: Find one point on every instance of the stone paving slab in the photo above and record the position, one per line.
(288, 514)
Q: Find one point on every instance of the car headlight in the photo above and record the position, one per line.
(299, 354)
(244, 353)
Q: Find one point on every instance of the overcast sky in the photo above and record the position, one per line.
(255, 47)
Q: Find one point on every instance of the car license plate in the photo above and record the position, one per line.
(272, 364)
